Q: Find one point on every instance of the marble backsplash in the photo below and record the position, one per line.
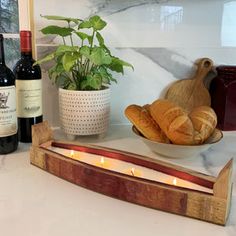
(162, 39)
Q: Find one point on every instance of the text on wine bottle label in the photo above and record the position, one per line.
(8, 118)
(29, 98)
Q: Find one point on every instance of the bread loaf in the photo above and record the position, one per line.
(142, 120)
(163, 121)
(172, 119)
(204, 121)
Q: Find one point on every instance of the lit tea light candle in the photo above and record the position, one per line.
(103, 163)
(72, 153)
(175, 181)
(185, 184)
(133, 172)
(129, 169)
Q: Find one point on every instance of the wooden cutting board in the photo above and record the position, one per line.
(190, 93)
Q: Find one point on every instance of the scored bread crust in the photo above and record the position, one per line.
(142, 120)
(165, 122)
(204, 120)
(183, 128)
(174, 121)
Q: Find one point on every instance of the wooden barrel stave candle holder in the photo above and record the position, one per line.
(212, 207)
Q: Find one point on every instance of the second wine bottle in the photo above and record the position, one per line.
(28, 89)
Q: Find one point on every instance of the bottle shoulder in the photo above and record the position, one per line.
(7, 77)
(24, 69)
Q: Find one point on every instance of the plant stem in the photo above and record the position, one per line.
(86, 63)
(71, 40)
(64, 40)
(86, 66)
(80, 61)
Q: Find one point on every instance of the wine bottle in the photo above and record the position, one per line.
(8, 118)
(28, 89)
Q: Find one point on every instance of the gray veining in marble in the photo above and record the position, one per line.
(110, 7)
(207, 163)
(175, 63)
(136, 32)
(107, 8)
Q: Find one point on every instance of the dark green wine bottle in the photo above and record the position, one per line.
(8, 118)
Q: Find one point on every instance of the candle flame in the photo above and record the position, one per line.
(175, 181)
(102, 161)
(132, 171)
(72, 153)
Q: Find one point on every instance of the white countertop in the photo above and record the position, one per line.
(36, 203)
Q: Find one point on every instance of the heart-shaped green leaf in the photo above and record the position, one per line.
(85, 25)
(118, 64)
(66, 48)
(85, 64)
(49, 57)
(54, 29)
(97, 23)
(92, 82)
(68, 60)
(68, 19)
(84, 36)
(100, 57)
(85, 51)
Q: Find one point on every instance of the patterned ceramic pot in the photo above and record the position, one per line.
(84, 112)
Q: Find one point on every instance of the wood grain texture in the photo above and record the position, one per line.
(147, 193)
(37, 156)
(117, 185)
(190, 93)
(223, 186)
(224, 179)
(161, 166)
(207, 208)
(41, 133)
(213, 208)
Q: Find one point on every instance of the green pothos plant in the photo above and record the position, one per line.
(83, 63)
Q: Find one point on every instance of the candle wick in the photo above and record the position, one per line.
(132, 171)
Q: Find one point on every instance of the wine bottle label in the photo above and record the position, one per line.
(29, 98)
(8, 118)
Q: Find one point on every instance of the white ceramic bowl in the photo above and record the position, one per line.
(180, 151)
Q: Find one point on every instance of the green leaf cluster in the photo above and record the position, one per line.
(87, 66)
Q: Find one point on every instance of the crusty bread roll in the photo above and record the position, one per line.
(174, 121)
(142, 120)
(165, 122)
(204, 120)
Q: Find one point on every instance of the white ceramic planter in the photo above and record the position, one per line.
(84, 112)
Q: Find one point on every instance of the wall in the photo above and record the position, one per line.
(162, 39)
